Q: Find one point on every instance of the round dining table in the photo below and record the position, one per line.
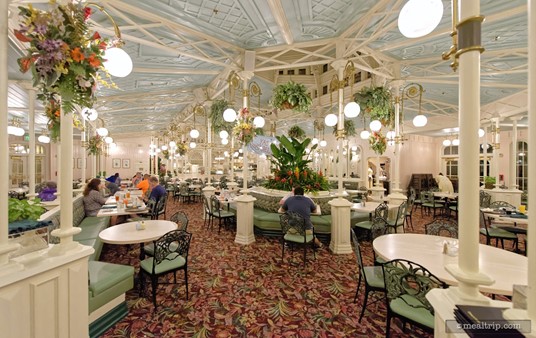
(127, 233)
(504, 267)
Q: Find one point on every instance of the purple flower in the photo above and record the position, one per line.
(41, 28)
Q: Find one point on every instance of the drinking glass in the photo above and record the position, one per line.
(522, 209)
(128, 194)
(116, 198)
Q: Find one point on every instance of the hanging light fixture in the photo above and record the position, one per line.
(118, 62)
(481, 132)
(365, 134)
(229, 115)
(259, 121)
(420, 17)
(456, 142)
(89, 114)
(14, 128)
(224, 134)
(330, 120)
(447, 142)
(375, 125)
(193, 145)
(194, 133)
(352, 109)
(172, 144)
(108, 140)
(420, 121)
(224, 141)
(44, 138)
(103, 132)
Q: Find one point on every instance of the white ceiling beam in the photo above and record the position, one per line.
(281, 19)
(175, 71)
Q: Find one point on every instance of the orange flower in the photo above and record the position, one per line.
(77, 55)
(57, 113)
(21, 37)
(25, 64)
(96, 36)
(94, 61)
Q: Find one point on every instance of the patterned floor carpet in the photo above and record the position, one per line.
(247, 291)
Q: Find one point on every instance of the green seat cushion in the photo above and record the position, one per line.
(166, 265)
(497, 232)
(374, 275)
(418, 314)
(103, 276)
(89, 232)
(96, 244)
(225, 213)
(149, 248)
(364, 225)
(297, 238)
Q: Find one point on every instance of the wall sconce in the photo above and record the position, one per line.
(14, 128)
(118, 62)
(101, 131)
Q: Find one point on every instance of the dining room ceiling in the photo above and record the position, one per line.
(184, 50)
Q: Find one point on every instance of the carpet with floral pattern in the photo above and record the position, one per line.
(248, 291)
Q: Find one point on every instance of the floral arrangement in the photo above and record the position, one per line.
(63, 56)
(94, 145)
(244, 130)
(182, 148)
(290, 161)
(377, 142)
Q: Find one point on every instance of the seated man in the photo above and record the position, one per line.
(157, 191)
(304, 206)
(444, 184)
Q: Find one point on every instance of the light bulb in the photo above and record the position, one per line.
(194, 133)
(258, 121)
(89, 114)
(481, 132)
(420, 121)
(229, 115)
(108, 140)
(224, 134)
(224, 141)
(419, 17)
(314, 141)
(456, 142)
(193, 145)
(118, 62)
(375, 125)
(352, 109)
(43, 139)
(365, 134)
(102, 132)
(164, 147)
(323, 143)
(447, 142)
(330, 120)
(172, 144)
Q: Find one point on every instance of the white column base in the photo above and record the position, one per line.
(232, 185)
(340, 226)
(468, 283)
(244, 219)
(378, 193)
(208, 191)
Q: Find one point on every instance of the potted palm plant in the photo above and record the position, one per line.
(291, 95)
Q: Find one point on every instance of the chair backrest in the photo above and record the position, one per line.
(151, 206)
(485, 199)
(378, 228)
(357, 251)
(427, 197)
(206, 205)
(484, 222)
(181, 219)
(501, 204)
(215, 205)
(439, 226)
(161, 205)
(183, 189)
(292, 222)
(403, 277)
(401, 214)
(170, 246)
(412, 193)
(381, 210)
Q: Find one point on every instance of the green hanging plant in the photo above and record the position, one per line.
(216, 116)
(376, 102)
(291, 95)
(349, 128)
(296, 132)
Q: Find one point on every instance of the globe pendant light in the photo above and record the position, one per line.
(330, 120)
(352, 109)
(420, 17)
(118, 62)
(420, 121)
(375, 125)
(194, 133)
(224, 134)
(258, 121)
(229, 115)
(365, 134)
(447, 142)
(103, 132)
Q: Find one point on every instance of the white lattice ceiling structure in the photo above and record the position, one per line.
(184, 50)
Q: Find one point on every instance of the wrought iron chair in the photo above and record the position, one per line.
(485, 199)
(379, 228)
(224, 217)
(372, 276)
(400, 217)
(161, 207)
(184, 193)
(440, 226)
(407, 284)
(294, 232)
(408, 218)
(429, 202)
(381, 211)
(501, 204)
(170, 256)
(181, 219)
(207, 216)
(496, 233)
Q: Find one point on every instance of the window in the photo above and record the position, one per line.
(357, 77)
(450, 150)
(522, 166)
(324, 90)
(290, 72)
(302, 71)
(452, 169)
(325, 68)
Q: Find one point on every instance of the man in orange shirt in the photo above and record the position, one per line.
(144, 184)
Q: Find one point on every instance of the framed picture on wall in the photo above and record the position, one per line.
(126, 163)
(116, 163)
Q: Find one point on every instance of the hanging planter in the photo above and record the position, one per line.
(291, 95)
(296, 132)
(376, 102)
(216, 116)
(94, 145)
(349, 128)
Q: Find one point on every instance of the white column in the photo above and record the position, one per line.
(396, 195)
(58, 167)
(340, 207)
(485, 152)
(66, 231)
(531, 301)
(31, 133)
(467, 270)
(209, 150)
(5, 248)
(495, 141)
(83, 152)
(513, 159)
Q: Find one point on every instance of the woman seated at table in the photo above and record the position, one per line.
(94, 200)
